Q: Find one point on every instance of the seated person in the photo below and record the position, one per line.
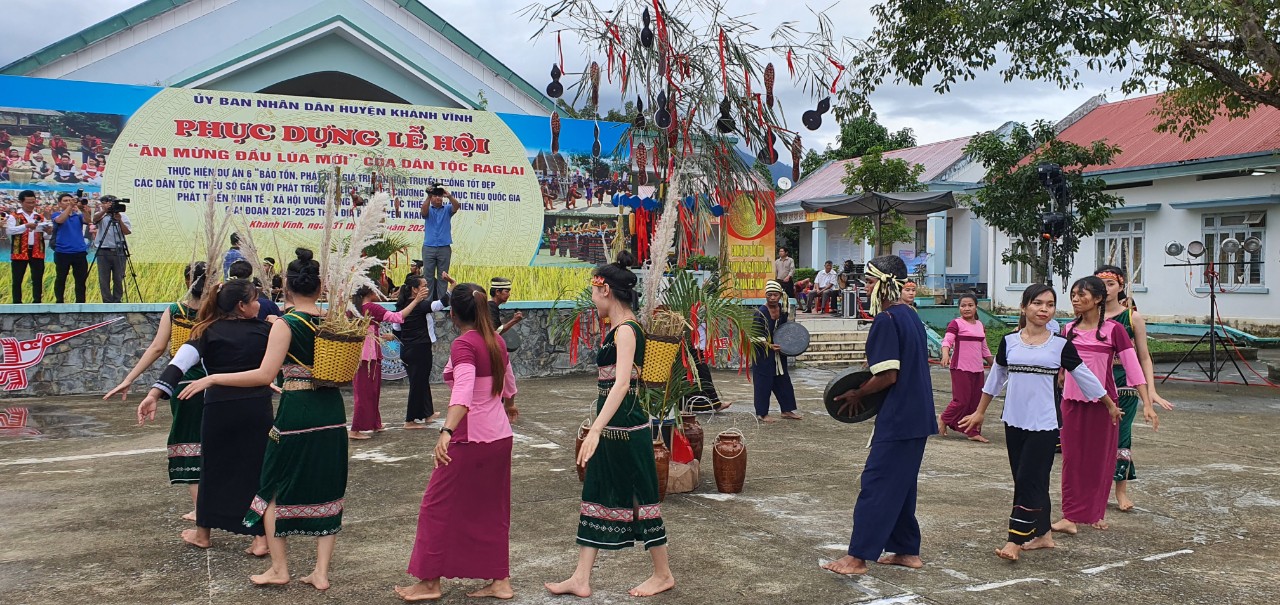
(802, 288)
(824, 289)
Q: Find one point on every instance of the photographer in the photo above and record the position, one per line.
(437, 239)
(70, 251)
(27, 227)
(113, 225)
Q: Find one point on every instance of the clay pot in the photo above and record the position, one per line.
(693, 432)
(583, 429)
(729, 460)
(662, 457)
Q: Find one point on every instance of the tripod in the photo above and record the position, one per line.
(122, 247)
(1214, 369)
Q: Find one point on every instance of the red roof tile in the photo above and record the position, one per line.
(936, 158)
(1130, 124)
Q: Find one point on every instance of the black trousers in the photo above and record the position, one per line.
(77, 264)
(19, 268)
(707, 389)
(417, 362)
(1031, 460)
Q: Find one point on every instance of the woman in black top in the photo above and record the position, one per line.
(417, 334)
(228, 337)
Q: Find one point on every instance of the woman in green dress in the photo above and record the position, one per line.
(620, 495)
(304, 473)
(184, 430)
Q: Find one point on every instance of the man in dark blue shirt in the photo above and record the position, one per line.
(885, 529)
(70, 250)
(243, 269)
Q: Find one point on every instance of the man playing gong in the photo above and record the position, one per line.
(769, 366)
(885, 529)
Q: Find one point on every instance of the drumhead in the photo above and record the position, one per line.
(512, 338)
(792, 337)
(851, 379)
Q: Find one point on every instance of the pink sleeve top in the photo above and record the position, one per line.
(968, 343)
(372, 350)
(1098, 355)
(469, 374)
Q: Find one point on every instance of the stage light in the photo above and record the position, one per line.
(1173, 248)
(1230, 245)
(1195, 249)
(1252, 245)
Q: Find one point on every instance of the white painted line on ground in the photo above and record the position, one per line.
(717, 497)
(1102, 568)
(22, 461)
(78, 470)
(546, 446)
(902, 598)
(957, 575)
(376, 455)
(834, 547)
(1166, 555)
(995, 585)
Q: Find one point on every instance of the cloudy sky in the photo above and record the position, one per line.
(497, 26)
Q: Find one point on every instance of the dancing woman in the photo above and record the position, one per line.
(464, 527)
(367, 388)
(1028, 362)
(1121, 310)
(184, 429)
(1089, 430)
(417, 334)
(227, 338)
(885, 529)
(967, 339)
(620, 495)
(304, 473)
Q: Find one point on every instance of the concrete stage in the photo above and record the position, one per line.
(86, 515)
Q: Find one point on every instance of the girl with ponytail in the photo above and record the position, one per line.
(1089, 424)
(184, 429)
(464, 525)
(367, 387)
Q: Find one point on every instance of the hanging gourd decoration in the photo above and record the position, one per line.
(662, 117)
(555, 89)
(726, 124)
(646, 34)
(640, 158)
(769, 77)
(796, 149)
(595, 84)
(768, 154)
(689, 202)
(639, 121)
(595, 142)
(555, 132)
(813, 118)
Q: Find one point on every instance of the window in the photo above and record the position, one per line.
(1021, 274)
(1120, 243)
(1235, 269)
(922, 237)
(951, 238)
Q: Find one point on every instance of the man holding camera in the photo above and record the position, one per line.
(70, 251)
(437, 239)
(113, 225)
(27, 228)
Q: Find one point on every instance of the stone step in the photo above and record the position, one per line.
(831, 363)
(812, 355)
(831, 324)
(837, 336)
(837, 345)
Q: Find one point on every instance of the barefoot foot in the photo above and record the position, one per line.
(847, 565)
(422, 591)
(1040, 542)
(413, 426)
(1009, 552)
(498, 589)
(912, 561)
(653, 586)
(792, 416)
(318, 581)
(1066, 527)
(258, 548)
(357, 435)
(979, 439)
(196, 538)
(1102, 525)
(1122, 501)
(191, 516)
(271, 577)
(942, 428)
(767, 419)
(573, 586)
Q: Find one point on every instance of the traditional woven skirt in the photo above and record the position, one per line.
(1125, 470)
(464, 525)
(1088, 460)
(966, 393)
(620, 494)
(233, 442)
(184, 439)
(305, 468)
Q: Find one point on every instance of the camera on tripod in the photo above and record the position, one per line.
(116, 205)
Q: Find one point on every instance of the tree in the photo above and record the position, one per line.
(811, 161)
(1214, 57)
(874, 173)
(859, 132)
(766, 176)
(1013, 199)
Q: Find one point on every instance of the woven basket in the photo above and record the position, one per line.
(337, 358)
(660, 353)
(179, 333)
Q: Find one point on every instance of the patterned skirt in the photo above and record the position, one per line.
(620, 494)
(305, 468)
(184, 439)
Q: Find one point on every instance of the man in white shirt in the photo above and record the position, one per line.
(824, 288)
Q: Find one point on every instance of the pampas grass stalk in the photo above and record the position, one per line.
(216, 231)
(658, 247)
(348, 268)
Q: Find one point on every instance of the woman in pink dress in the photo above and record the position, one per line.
(1090, 428)
(367, 387)
(464, 526)
(965, 351)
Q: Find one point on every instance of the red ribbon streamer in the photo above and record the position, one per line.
(724, 69)
(560, 50)
(791, 66)
(759, 108)
(609, 70)
(839, 72)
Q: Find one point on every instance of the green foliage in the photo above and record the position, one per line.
(861, 132)
(1013, 199)
(482, 102)
(803, 273)
(875, 173)
(762, 169)
(811, 161)
(1216, 56)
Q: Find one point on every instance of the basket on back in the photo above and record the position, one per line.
(663, 340)
(336, 355)
(179, 333)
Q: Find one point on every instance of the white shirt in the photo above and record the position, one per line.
(11, 226)
(825, 277)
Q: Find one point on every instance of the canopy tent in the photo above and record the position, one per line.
(873, 203)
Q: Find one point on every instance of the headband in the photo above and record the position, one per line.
(1110, 275)
(890, 285)
(773, 286)
(500, 283)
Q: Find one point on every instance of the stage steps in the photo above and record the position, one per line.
(834, 343)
